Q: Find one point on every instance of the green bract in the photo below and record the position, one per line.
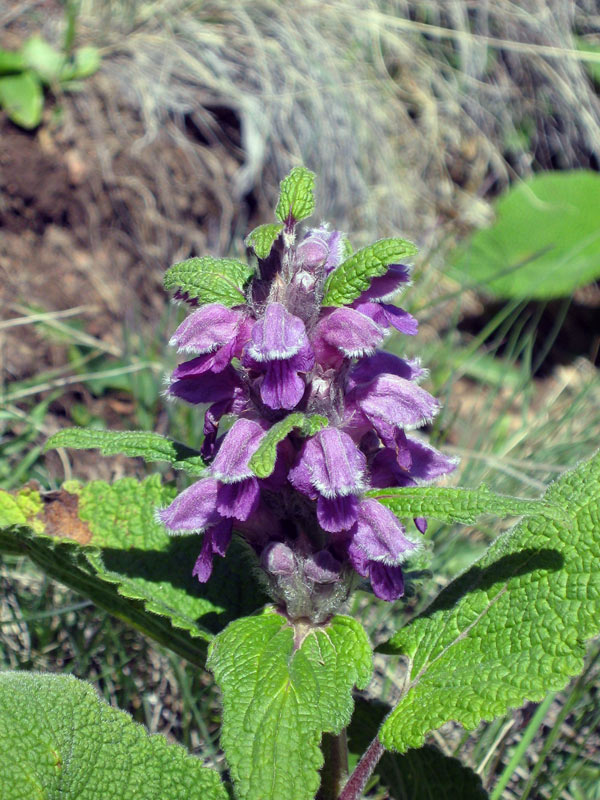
(262, 462)
(72, 745)
(210, 280)
(296, 198)
(354, 276)
(262, 239)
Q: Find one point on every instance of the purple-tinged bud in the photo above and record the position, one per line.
(322, 567)
(320, 248)
(278, 559)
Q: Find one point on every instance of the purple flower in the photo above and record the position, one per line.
(330, 470)
(378, 547)
(279, 348)
(309, 522)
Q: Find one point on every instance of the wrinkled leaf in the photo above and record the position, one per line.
(58, 739)
(460, 505)
(354, 275)
(283, 686)
(103, 541)
(135, 444)
(210, 280)
(510, 629)
(296, 196)
(262, 239)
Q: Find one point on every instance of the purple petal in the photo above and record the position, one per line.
(380, 535)
(391, 467)
(231, 463)
(300, 478)
(335, 463)
(337, 514)
(206, 329)
(209, 387)
(216, 541)
(371, 366)
(427, 463)
(281, 386)
(386, 286)
(387, 582)
(278, 335)
(400, 319)
(238, 500)
(192, 510)
(350, 332)
(208, 362)
(392, 401)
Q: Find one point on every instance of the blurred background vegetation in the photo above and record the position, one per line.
(472, 128)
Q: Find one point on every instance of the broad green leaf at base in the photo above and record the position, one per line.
(58, 739)
(284, 685)
(513, 627)
(103, 541)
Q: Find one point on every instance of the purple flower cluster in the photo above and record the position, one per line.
(309, 521)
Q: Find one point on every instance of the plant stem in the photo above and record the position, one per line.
(363, 771)
(335, 767)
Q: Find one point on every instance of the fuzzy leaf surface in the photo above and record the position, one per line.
(262, 239)
(283, 687)
(354, 275)
(135, 444)
(210, 280)
(104, 541)
(296, 195)
(262, 462)
(511, 628)
(58, 739)
(460, 505)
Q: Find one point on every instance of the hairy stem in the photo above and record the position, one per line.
(335, 767)
(363, 771)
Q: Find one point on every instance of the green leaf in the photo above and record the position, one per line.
(545, 241)
(22, 98)
(85, 63)
(58, 739)
(262, 239)
(460, 505)
(135, 444)
(354, 275)
(11, 61)
(104, 542)
(210, 280)
(283, 686)
(513, 627)
(296, 196)
(262, 462)
(43, 59)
